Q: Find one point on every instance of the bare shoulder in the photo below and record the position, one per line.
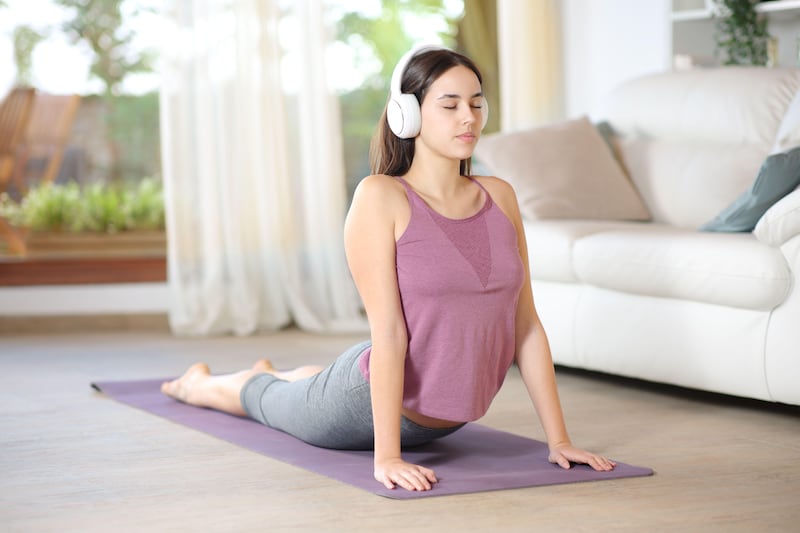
(502, 194)
(378, 190)
(497, 185)
(379, 202)
(379, 183)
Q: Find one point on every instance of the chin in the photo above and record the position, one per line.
(462, 152)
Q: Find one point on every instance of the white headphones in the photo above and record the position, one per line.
(402, 111)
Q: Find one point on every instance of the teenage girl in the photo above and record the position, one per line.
(440, 260)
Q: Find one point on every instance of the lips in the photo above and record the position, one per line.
(467, 137)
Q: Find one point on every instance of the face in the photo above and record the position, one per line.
(451, 114)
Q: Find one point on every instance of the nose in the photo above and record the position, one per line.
(470, 115)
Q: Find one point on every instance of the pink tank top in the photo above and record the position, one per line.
(459, 281)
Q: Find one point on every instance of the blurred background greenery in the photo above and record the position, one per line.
(117, 130)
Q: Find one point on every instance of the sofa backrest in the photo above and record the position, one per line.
(693, 141)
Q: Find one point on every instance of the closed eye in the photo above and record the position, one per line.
(473, 106)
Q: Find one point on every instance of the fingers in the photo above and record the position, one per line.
(563, 457)
(563, 462)
(416, 478)
(413, 480)
(600, 463)
(407, 476)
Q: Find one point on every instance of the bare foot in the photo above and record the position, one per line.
(185, 387)
(198, 387)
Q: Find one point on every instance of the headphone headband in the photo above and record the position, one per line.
(400, 68)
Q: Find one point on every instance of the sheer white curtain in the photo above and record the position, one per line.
(254, 187)
(530, 60)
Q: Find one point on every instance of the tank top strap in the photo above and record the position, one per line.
(416, 202)
(411, 194)
(479, 184)
(488, 197)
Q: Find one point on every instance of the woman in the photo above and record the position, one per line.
(440, 261)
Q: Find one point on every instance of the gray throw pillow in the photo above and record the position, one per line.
(777, 177)
(606, 131)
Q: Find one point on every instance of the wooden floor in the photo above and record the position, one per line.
(74, 460)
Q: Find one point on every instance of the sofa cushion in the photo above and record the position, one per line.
(693, 141)
(680, 180)
(729, 105)
(789, 131)
(781, 222)
(732, 269)
(562, 171)
(778, 176)
(550, 244)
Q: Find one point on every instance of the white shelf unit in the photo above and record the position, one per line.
(694, 28)
(706, 9)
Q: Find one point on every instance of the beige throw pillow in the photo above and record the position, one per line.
(565, 170)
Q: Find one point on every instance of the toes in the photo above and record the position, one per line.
(179, 388)
(198, 368)
(170, 388)
(264, 365)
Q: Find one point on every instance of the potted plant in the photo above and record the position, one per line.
(98, 219)
(741, 33)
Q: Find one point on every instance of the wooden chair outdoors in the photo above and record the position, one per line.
(46, 137)
(14, 114)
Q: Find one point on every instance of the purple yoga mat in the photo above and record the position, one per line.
(473, 459)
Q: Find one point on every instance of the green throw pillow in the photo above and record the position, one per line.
(778, 176)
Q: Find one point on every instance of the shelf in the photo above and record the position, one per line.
(691, 14)
(775, 9)
(778, 6)
(782, 9)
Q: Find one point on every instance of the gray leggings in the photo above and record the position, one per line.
(332, 409)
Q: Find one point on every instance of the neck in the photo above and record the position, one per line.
(438, 176)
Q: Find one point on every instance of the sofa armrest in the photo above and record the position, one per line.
(781, 222)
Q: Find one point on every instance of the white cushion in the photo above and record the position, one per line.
(789, 131)
(562, 171)
(705, 105)
(550, 244)
(693, 141)
(781, 222)
(725, 269)
(687, 184)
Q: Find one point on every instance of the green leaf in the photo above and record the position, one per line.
(94, 208)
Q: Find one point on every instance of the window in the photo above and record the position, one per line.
(91, 129)
(107, 54)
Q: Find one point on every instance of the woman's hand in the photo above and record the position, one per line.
(564, 454)
(409, 476)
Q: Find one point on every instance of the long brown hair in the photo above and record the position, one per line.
(391, 155)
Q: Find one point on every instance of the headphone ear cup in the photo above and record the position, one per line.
(484, 112)
(403, 115)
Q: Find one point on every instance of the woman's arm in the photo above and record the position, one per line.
(370, 235)
(533, 355)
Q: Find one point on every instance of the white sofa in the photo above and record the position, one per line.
(657, 299)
